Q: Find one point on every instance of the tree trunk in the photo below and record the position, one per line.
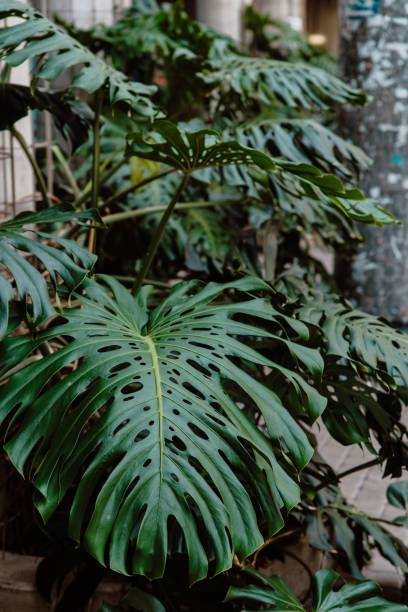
(374, 54)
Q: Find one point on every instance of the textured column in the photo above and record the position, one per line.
(374, 56)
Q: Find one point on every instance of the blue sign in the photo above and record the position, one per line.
(361, 9)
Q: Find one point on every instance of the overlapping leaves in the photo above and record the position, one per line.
(58, 51)
(295, 85)
(146, 415)
(349, 598)
(304, 140)
(71, 264)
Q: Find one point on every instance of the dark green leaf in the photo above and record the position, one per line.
(72, 265)
(44, 39)
(276, 593)
(190, 151)
(293, 84)
(72, 117)
(168, 441)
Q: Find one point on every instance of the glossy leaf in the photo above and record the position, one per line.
(295, 85)
(147, 416)
(58, 50)
(72, 264)
(277, 594)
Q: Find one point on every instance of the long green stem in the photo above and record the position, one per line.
(157, 236)
(124, 192)
(103, 177)
(37, 171)
(96, 149)
(141, 212)
(356, 468)
(66, 170)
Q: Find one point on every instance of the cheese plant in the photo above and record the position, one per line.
(167, 339)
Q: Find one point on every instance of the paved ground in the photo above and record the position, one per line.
(366, 490)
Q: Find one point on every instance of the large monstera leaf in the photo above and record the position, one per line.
(146, 424)
(294, 84)
(72, 264)
(349, 598)
(58, 51)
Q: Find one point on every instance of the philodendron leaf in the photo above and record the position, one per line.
(190, 151)
(72, 264)
(46, 41)
(72, 117)
(265, 80)
(135, 599)
(146, 424)
(277, 594)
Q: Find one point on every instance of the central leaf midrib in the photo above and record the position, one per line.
(159, 394)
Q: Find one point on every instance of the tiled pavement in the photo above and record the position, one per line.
(366, 490)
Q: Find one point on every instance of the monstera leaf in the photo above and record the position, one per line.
(71, 265)
(276, 593)
(189, 151)
(304, 140)
(58, 51)
(72, 117)
(359, 336)
(293, 84)
(146, 424)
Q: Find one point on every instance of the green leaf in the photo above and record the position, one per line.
(142, 601)
(276, 593)
(397, 494)
(72, 264)
(304, 140)
(190, 151)
(72, 117)
(359, 336)
(146, 419)
(329, 600)
(44, 40)
(293, 84)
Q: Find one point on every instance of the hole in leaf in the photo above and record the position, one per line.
(131, 388)
(107, 349)
(198, 431)
(142, 435)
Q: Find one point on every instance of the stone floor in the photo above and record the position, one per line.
(366, 490)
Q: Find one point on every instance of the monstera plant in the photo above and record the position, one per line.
(168, 417)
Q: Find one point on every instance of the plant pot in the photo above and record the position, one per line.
(18, 592)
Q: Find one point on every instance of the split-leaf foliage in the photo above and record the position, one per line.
(171, 422)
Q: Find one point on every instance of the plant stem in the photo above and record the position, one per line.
(37, 171)
(157, 236)
(140, 212)
(96, 149)
(124, 192)
(356, 468)
(96, 157)
(66, 170)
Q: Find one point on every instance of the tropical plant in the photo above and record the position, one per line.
(170, 424)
